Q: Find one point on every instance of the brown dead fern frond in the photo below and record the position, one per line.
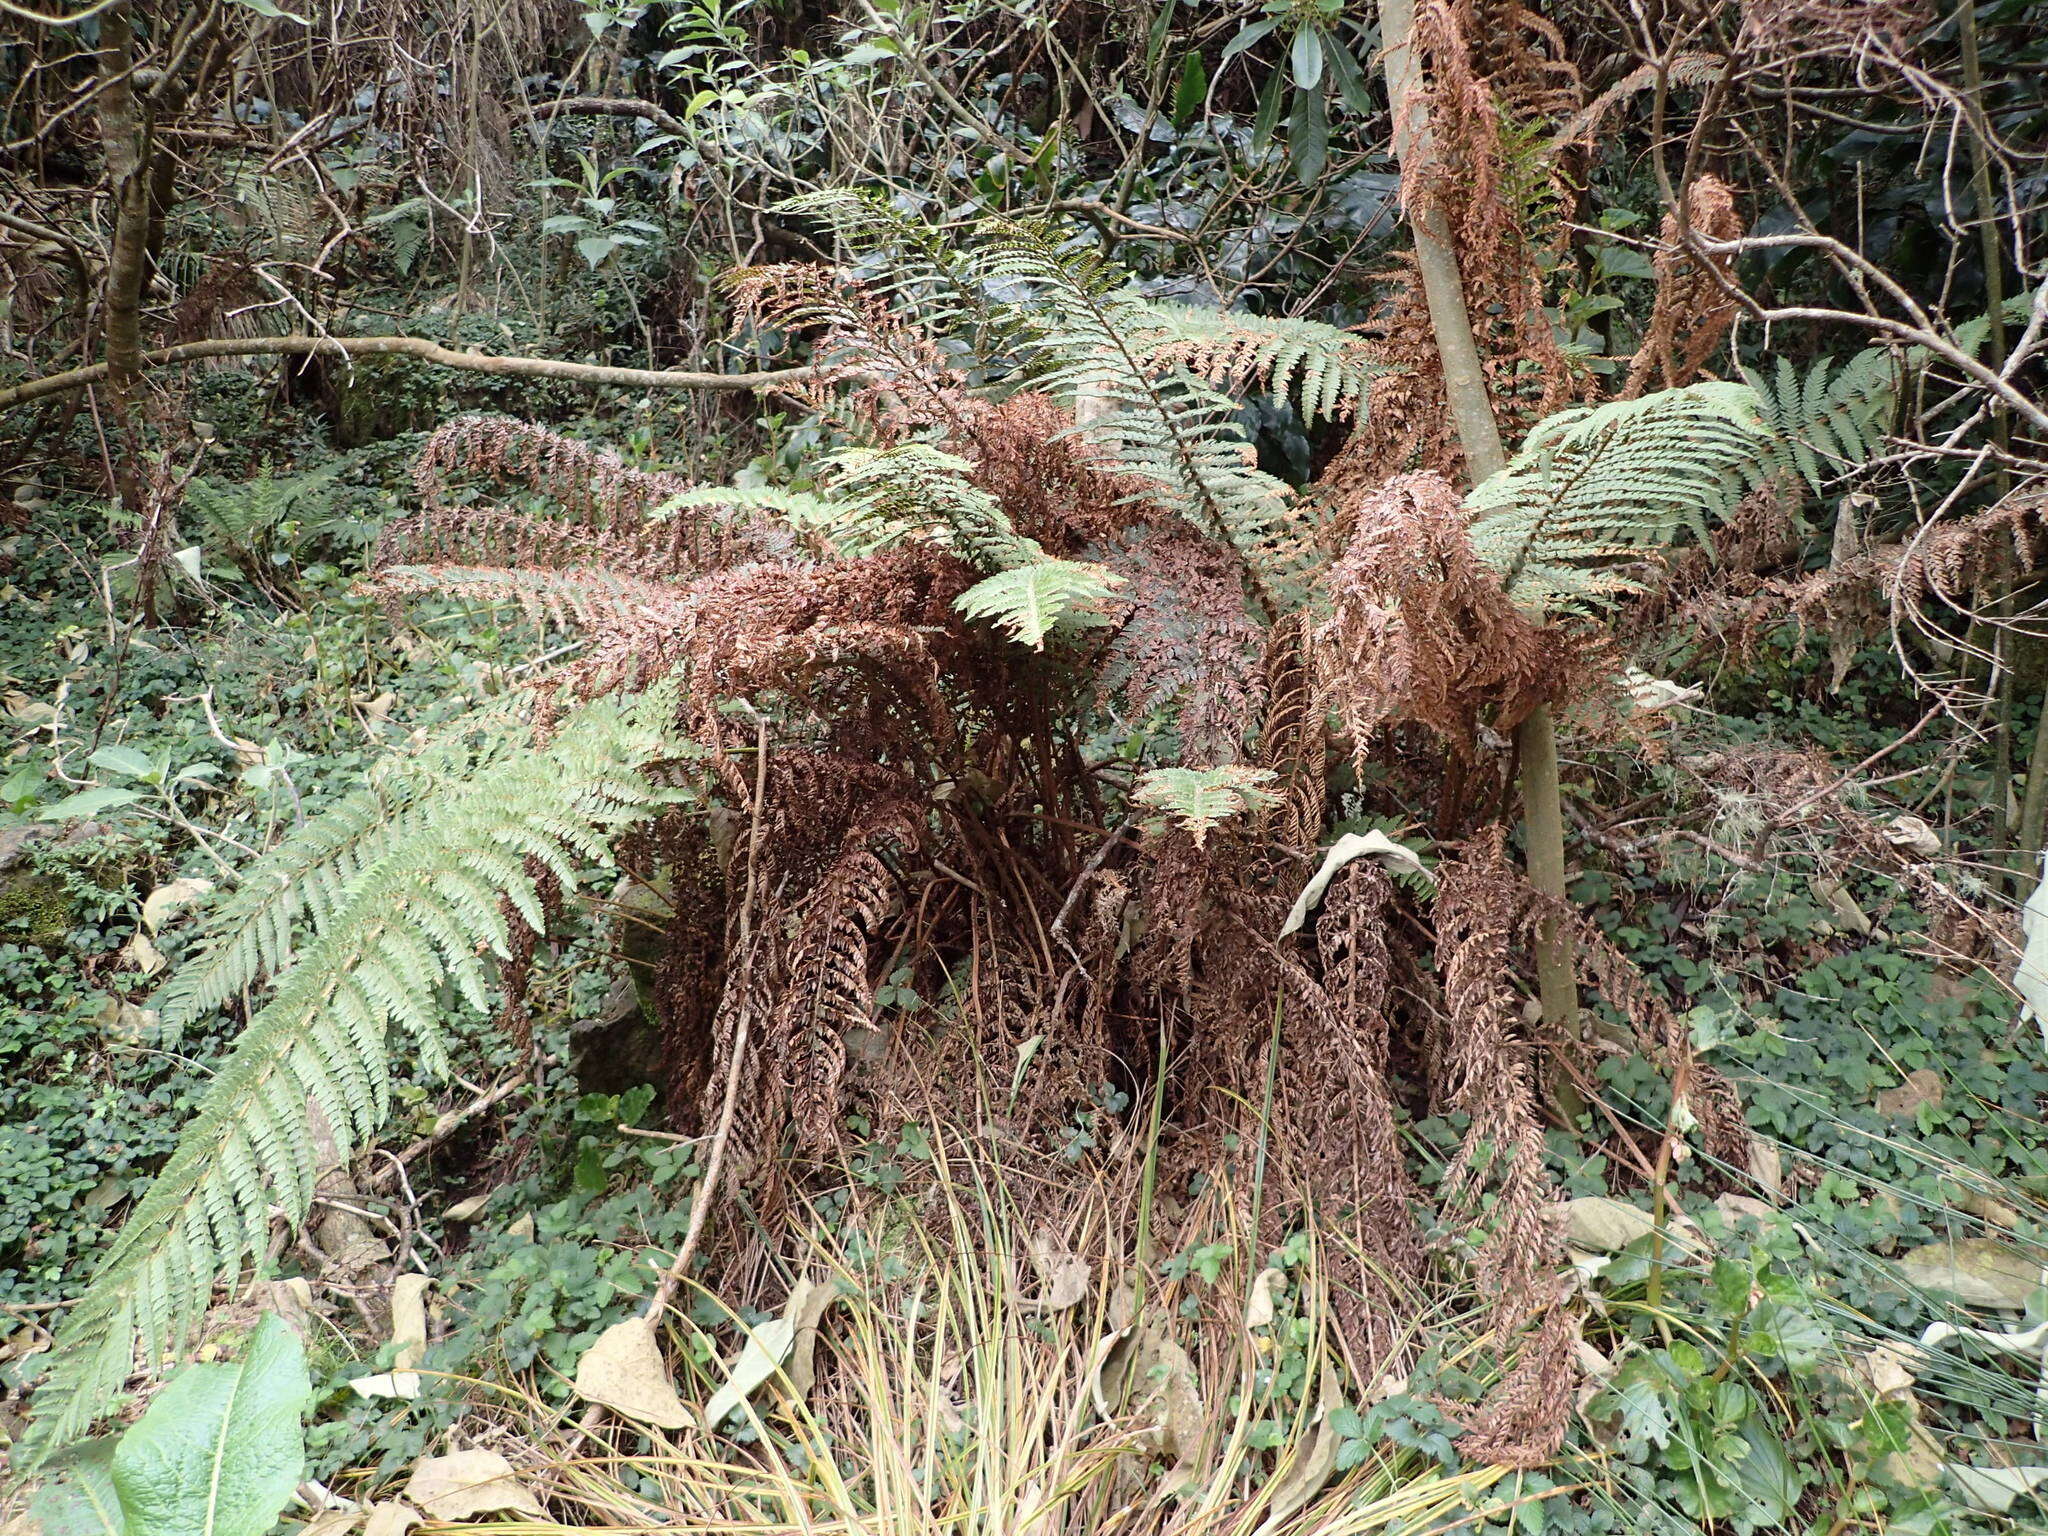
(899, 377)
(1695, 304)
(1482, 905)
(828, 993)
(1419, 629)
(596, 487)
(1184, 638)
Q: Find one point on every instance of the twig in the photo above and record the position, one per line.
(417, 347)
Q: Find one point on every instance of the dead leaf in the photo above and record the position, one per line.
(768, 1348)
(1734, 1207)
(470, 1209)
(1889, 1368)
(1258, 1305)
(1994, 1489)
(1847, 913)
(1314, 1460)
(468, 1484)
(330, 1522)
(27, 710)
(292, 1300)
(143, 955)
(807, 1314)
(2030, 980)
(1597, 1224)
(409, 1333)
(1921, 1087)
(624, 1372)
(166, 899)
(1352, 845)
(1909, 834)
(1993, 1212)
(1648, 694)
(127, 1023)
(1141, 1371)
(390, 1517)
(1062, 1278)
(1767, 1167)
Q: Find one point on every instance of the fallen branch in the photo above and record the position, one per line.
(602, 106)
(421, 350)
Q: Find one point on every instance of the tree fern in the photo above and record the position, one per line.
(1029, 600)
(1597, 484)
(410, 903)
(1202, 799)
(1324, 370)
(914, 489)
(1172, 429)
(1836, 415)
(911, 261)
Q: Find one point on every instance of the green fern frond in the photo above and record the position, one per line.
(419, 909)
(912, 262)
(1029, 600)
(1324, 370)
(1595, 485)
(1172, 429)
(235, 513)
(253, 931)
(915, 490)
(1833, 417)
(1201, 799)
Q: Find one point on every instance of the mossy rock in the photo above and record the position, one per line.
(34, 909)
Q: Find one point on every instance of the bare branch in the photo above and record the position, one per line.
(420, 349)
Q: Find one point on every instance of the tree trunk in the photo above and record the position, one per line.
(1479, 437)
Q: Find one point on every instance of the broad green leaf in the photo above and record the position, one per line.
(1192, 92)
(1350, 82)
(79, 1499)
(1306, 57)
(1245, 39)
(87, 802)
(1308, 135)
(1271, 96)
(222, 1447)
(125, 761)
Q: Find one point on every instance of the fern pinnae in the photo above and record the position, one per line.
(1172, 430)
(411, 920)
(307, 874)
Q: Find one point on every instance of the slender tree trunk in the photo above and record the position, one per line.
(1479, 437)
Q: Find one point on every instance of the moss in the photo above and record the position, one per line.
(34, 909)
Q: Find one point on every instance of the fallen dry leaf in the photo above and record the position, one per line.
(390, 1517)
(166, 899)
(467, 1484)
(624, 1371)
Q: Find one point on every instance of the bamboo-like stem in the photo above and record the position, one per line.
(1479, 437)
